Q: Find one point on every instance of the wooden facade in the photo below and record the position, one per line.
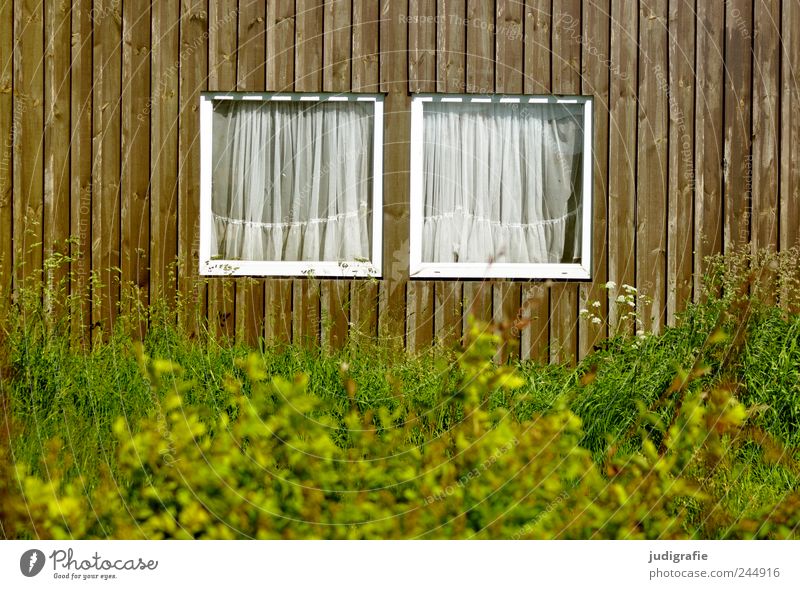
(696, 148)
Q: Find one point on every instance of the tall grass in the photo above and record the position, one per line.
(744, 331)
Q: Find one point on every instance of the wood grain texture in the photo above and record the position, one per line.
(222, 59)
(680, 203)
(251, 77)
(365, 71)
(280, 45)
(280, 78)
(696, 139)
(535, 334)
(135, 165)
(766, 125)
(422, 78)
(566, 80)
(595, 81)
(480, 47)
(27, 140)
(80, 151)
(307, 78)
(509, 51)
(193, 80)
(106, 136)
(790, 125)
(451, 45)
(337, 38)
(737, 166)
(6, 151)
(789, 200)
(164, 150)
(537, 58)
(337, 41)
(709, 155)
(394, 81)
(308, 46)
(537, 79)
(480, 79)
(422, 46)
(622, 154)
(651, 171)
(450, 77)
(56, 154)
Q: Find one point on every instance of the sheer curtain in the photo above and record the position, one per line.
(502, 182)
(292, 181)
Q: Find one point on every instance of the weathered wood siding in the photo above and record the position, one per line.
(696, 149)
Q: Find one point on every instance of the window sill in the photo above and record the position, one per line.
(509, 271)
(289, 269)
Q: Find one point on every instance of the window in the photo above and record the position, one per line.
(291, 184)
(501, 187)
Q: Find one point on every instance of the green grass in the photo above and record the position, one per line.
(52, 389)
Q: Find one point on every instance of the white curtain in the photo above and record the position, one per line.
(502, 182)
(292, 181)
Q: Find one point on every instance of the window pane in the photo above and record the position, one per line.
(502, 182)
(292, 181)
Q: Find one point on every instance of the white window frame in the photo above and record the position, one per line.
(508, 270)
(349, 269)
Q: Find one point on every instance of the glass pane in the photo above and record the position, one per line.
(292, 181)
(502, 182)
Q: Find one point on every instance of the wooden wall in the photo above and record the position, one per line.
(696, 148)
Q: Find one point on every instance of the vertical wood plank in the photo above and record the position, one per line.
(651, 195)
(394, 81)
(336, 53)
(80, 146)
(480, 79)
(681, 156)
(308, 46)
(535, 336)
(537, 79)
(135, 165)
(566, 80)
(480, 46)
(450, 77)
(790, 127)
(164, 150)
(709, 100)
(280, 78)
(422, 46)
(538, 20)
(509, 52)
(509, 43)
(337, 45)
(622, 153)
(250, 76)
(107, 60)
(596, 75)
(27, 145)
(307, 78)
(365, 70)
(422, 78)
(738, 155)
(450, 45)
(56, 157)
(7, 135)
(365, 78)
(222, 58)
(193, 80)
(766, 121)
(280, 45)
